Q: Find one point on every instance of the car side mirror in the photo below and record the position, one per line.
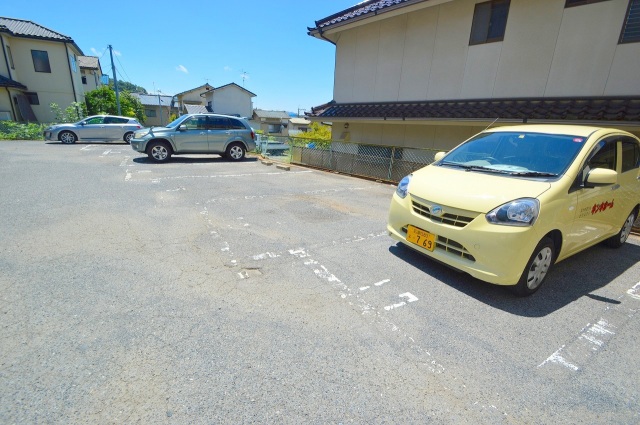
(601, 177)
(439, 156)
(182, 128)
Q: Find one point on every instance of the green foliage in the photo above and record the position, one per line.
(127, 86)
(319, 135)
(103, 101)
(11, 130)
(317, 132)
(73, 113)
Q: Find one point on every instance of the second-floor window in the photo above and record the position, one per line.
(10, 58)
(489, 22)
(41, 61)
(571, 3)
(631, 27)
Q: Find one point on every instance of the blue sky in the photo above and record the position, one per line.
(175, 46)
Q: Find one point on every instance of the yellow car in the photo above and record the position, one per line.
(507, 204)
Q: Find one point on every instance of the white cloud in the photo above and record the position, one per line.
(228, 68)
(182, 68)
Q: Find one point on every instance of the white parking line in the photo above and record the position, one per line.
(410, 298)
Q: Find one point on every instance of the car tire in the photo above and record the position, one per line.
(127, 137)
(621, 237)
(159, 151)
(67, 137)
(235, 151)
(537, 268)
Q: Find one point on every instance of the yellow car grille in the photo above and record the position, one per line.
(446, 218)
(451, 246)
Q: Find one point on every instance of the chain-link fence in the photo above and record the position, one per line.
(388, 163)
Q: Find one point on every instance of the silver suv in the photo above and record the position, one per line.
(224, 135)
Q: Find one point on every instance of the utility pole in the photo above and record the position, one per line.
(115, 80)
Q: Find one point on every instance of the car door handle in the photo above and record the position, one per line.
(615, 187)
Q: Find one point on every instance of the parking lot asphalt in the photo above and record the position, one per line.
(209, 291)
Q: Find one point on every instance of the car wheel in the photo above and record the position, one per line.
(127, 137)
(537, 268)
(159, 151)
(67, 137)
(621, 237)
(235, 151)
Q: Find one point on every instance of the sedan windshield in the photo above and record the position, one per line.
(520, 154)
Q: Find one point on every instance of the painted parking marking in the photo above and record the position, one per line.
(382, 282)
(594, 337)
(225, 176)
(366, 309)
(634, 292)
(410, 298)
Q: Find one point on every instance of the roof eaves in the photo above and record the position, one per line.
(361, 11)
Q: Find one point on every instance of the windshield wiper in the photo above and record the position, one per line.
(475, 168)
(534, 174)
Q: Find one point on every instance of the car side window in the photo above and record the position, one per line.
(218, 123)
(603, 155)
(236, 125)
(95, 120)
(115, 120)
(630, 155)
(194, 123)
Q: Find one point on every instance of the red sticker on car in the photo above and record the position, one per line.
(597, 208)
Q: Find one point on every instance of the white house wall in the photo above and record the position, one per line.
(548, 51)
(230, 101)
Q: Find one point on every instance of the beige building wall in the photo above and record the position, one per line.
(55, 87)
(548, 51)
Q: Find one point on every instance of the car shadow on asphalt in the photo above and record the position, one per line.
(191, 160)
(576, 277)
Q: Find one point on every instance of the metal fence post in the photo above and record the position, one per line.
(393, 155)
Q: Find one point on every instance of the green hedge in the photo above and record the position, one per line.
(10, 130)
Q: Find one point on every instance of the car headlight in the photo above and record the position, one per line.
(403, 186)
(521, 212)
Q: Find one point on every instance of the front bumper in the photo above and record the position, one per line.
(492, 253)
(50, 135)
(138, 145)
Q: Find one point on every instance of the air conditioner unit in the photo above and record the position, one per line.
(5, 116)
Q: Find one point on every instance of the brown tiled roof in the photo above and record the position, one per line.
(361, 10)
(622, 109)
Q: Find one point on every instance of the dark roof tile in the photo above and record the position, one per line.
(625, 109)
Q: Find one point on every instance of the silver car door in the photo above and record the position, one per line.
(91, 129)
(191, 135)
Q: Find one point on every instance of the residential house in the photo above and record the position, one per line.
(91, 73)
(230, 99)
(157, 108)
(298, 125)
(431, 73)
(191, 97)
(39, 66)
(270, 122)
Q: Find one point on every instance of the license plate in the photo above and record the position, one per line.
(421, 238)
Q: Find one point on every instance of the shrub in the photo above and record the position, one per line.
(11, 130)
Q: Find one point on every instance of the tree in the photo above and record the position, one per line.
(127, 86)
(103, 101)
(317, 131)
